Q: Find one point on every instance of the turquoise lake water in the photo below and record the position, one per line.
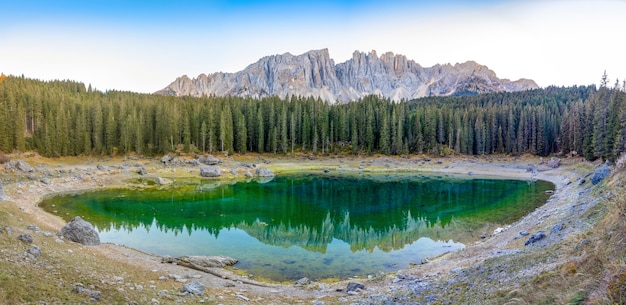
(315, 226)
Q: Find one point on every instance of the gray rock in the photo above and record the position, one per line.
(93, 294)
(303, 281)
(264, 172)
(80, 231)
(142, 171)
(248, 174)
(194, 287)
(523, 233)
(8, 230)
(33, 228)
(45, 180)
(354, 287)
(209, 160)
(31, 176)
(34, 251)
(600, 174)
(166, 159)
(210, 171)
(162, 181)
(557, 228)
(535, 238)
(554, 162)
(102, 167)
(2, 196)
(23, 166)
(25, 238)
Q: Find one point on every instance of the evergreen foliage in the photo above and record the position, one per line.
(59, 118)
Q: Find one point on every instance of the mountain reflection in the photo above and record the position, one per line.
(310, 211)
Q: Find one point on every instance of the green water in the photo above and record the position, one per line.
(314, 226)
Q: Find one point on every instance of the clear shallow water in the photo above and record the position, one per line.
(314, 226)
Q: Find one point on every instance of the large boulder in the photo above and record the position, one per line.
(208, 160)
(600, 174)
(264, 172)
(194, 287)
(80, 231)
(554, 162)
(210, 171)
(23, 166)
(535, 238)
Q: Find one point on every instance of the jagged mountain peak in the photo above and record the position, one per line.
(315, 74)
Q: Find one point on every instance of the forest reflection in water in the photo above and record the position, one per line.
(307, 225)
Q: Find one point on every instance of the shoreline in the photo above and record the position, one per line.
(27, 195)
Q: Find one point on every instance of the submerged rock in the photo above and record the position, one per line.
(205, 261)
(80, 231)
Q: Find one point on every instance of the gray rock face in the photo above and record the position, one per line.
(80, 231)
(210, 171)
(600, 174)
(194, 287)
(142, 171)
(264, 172)
(315, 74)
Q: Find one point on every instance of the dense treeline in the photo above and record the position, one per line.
(61, 118)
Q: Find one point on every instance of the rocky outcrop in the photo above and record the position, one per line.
(81, 232)
(314, 74)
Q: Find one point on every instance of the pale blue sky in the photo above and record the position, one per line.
(144, 45)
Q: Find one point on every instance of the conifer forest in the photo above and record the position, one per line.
(66, 118)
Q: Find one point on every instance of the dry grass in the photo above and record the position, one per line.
(594, 271)
(4, 158)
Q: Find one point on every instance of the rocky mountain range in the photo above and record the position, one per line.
(315, 74)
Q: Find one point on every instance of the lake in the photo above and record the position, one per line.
(316, 226)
